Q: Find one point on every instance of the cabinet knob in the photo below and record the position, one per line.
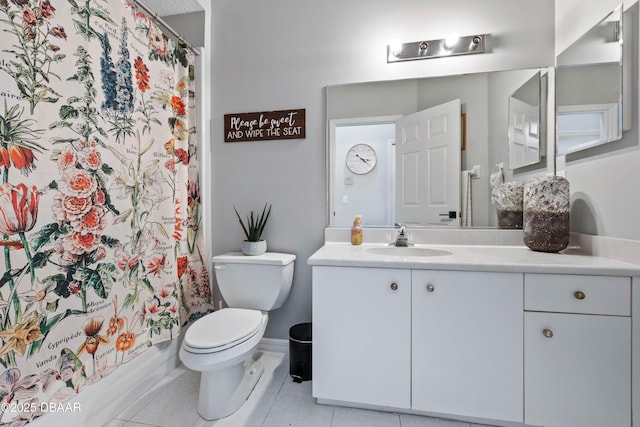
(430, 288)
(394, 286)
(547, 333)
(579, 295)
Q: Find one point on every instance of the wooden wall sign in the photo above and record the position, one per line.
(265, 125)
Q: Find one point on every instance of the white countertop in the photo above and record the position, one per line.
(496, 258)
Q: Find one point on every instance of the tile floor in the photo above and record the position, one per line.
(276, 401)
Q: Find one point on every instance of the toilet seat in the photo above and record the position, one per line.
(222, 329)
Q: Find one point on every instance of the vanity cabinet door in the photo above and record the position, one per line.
(361, 335)
(577, 370)
(467, 344)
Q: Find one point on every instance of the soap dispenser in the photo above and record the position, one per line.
(356, 231)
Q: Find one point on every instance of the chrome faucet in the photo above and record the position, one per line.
(401, 238)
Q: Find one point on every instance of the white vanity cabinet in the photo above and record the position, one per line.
(514, 345)
(467, 343)
(361, 335)
(577, 350)
(439, 341)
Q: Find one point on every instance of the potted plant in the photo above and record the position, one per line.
(253, 228)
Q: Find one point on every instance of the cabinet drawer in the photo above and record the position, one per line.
(568, 293)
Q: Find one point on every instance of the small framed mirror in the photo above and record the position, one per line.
(589, 88)
(526, 133)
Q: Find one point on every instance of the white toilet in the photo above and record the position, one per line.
(222, 344)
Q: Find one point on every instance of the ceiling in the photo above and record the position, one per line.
(172, 7)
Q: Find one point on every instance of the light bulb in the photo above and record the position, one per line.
(451, 40)
(395, 47)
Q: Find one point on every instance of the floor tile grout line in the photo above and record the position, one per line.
(144, 424)
(266, 416)
(153, 390)
(264, 420)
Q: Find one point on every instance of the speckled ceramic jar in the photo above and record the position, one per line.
(508, 200)
(546, 213)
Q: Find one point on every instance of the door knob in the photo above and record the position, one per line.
(430, 288)
(394, 286)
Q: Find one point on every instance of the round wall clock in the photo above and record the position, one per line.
(361, 159)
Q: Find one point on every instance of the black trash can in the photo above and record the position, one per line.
(300, 352)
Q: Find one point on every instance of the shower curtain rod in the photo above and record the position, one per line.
(166, 26)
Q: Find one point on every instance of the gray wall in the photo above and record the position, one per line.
(282, 53)
(370, 194)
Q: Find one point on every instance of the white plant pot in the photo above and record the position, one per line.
(254, 248)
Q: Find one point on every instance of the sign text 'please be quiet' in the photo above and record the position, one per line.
(265, 125)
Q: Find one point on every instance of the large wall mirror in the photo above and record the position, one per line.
(589, 88)
(373, 126)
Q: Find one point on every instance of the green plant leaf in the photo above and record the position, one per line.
(246, 233)
(129, 300)
(60, 124)
(255, 224)
(100, 14)
(43, 236)
(8, 275)
(73, 99)
(107, 273)
(146, 284)
(107, 169)
(52, 306)
(72, 356)
(40, 259)
(62, 287)
(110, 242)
(92, 279)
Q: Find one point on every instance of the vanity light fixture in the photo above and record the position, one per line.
(452, 45)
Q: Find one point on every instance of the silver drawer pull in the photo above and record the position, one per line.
(547, 333)
(579, 295)
(394, 286)
(430, 288)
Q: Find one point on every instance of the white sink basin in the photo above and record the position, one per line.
(407, 251)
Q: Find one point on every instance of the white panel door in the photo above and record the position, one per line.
(428, 166)
(361, 335)
(467, 344)
(577, 370)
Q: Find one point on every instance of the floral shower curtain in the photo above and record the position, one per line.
(100, 254)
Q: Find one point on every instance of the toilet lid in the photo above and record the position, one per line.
(223, 327)
(267, 258)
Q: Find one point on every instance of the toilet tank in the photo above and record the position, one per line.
(260, 282)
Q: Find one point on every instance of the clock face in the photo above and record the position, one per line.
(361, 159)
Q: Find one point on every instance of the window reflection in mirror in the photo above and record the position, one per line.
(525, 130)
(589, 88)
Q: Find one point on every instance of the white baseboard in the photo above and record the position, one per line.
(274, 344)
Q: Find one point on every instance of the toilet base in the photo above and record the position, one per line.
(223, 391)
